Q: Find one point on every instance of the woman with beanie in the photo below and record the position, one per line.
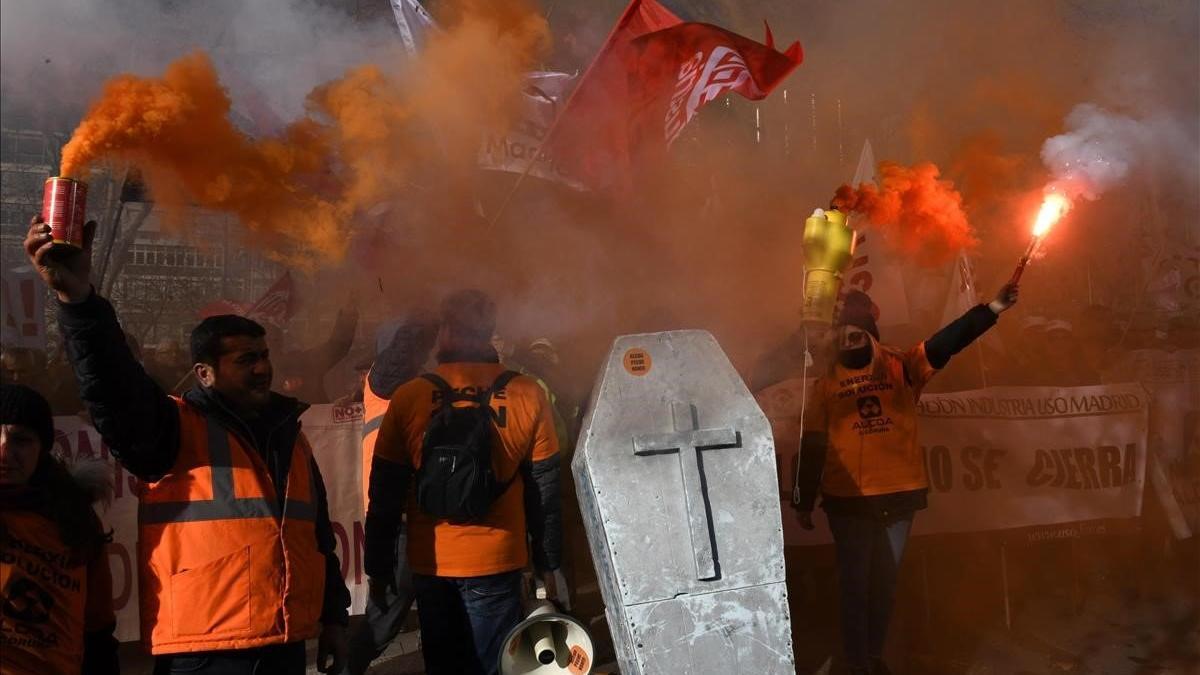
(56, 613)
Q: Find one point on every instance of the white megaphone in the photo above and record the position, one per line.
(547, 643)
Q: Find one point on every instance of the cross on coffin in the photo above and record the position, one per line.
(688, 441)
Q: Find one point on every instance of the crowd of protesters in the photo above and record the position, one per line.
(233, 494)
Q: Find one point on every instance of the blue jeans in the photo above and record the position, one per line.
(464, 620)
(869, 550)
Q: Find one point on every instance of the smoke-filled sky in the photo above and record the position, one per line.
(977, 88)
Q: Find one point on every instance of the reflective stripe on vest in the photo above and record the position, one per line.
(374, 410)
(225, 562)
(225, 505)
(372, 425)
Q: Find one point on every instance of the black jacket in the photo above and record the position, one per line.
(140, 423)
(947, 342)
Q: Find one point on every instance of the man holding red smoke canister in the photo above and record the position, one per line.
(235, 548)
(859, 448)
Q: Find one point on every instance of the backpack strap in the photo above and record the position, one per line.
(449, 396)
(502, 381)
(484, 397)
(437, 382)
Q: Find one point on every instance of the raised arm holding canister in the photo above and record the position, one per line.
(236, 548)
(859, 449)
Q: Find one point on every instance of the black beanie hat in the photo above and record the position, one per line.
(21, 405)
(859, 311)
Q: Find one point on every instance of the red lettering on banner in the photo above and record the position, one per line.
(29, 327)
(63, 444)
(861, 281)
(84, 449)
(347, 413)
(344, 544)
(350, 549)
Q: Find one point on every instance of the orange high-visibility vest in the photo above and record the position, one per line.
(374, 408)
(222, 564)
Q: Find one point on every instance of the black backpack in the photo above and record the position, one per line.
(456, 481)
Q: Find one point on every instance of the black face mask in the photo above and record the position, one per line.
(855, 358)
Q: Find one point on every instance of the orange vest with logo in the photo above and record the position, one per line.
(224, 564)
(870, 415)
(43, 596)
(374, 408)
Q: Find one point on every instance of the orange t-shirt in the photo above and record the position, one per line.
(525, 428)
(870, 414)
(48, 602)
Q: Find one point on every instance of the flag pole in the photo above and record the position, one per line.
(633, 4)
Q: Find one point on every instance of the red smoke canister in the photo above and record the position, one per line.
(64, 203)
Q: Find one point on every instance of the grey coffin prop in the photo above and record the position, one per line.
(675, 471)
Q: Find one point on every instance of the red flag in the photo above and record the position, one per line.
(648, 81)
(275, 306)
(219, 307)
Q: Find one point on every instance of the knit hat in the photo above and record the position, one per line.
(21, 405)
(858, 311)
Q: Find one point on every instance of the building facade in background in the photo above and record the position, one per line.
(160, 275)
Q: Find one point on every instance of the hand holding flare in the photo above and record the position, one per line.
(1054, 207)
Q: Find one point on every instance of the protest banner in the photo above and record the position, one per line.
(1172, 378)
(1006, 457)
(513, 149)
(998, 459)
(22, 309)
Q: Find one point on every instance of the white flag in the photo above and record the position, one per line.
(871, 272)
(414, 23)
(513, 149)
(962, 295)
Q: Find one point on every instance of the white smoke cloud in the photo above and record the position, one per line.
(1101, 148)
(56, 54)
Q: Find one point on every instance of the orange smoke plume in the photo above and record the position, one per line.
(177, 130)
(362, 138)
(919, 214)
